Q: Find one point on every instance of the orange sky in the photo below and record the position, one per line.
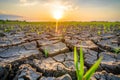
(73, 10)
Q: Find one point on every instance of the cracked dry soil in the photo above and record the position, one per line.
(22, 54)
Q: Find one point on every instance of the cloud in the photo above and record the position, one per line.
(61, 4)
(28, 2)
(2, 12)
(23, 1)
(10, 17)
(66, 4)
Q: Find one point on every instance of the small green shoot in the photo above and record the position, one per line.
(38, 32)
(99, 33)
(116, 50)
(76, 62)
(7, 30)
(80, 68)
(46, 53)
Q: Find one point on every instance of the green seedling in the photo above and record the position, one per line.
(46, 53)
(38, 32)
(116, 50)
(80, 68)
(7, 30)
(99, 33)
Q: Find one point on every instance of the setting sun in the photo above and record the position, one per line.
(57, 14)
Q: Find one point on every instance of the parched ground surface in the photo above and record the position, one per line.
(22, 53)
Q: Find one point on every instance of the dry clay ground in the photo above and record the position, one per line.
(22, 55)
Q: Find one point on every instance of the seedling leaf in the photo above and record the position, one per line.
(91, 71)
(81, 64)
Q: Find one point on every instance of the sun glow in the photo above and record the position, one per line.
(57, 14)
(58, 10)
